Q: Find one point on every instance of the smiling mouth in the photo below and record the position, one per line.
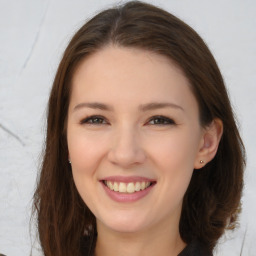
(131, 187)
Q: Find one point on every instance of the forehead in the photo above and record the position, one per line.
(111, 59)
(121, 74)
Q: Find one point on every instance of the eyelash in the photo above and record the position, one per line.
(89, 120)
(100, 120)
(163, 120)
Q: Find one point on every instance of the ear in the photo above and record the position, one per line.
(209, 143)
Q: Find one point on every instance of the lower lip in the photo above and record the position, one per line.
(127, 197)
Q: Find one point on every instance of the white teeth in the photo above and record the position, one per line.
(122, 187)
(127, 187)
(130, 188)
(110, 185)
(137, 186)
(115, 186)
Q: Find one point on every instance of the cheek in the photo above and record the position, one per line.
(85, 152)
(174, 151)
(174, 163)
(174, 158)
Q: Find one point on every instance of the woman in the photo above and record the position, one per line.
(142, 156)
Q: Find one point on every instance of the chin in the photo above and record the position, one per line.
(124, 224)
(127, 228)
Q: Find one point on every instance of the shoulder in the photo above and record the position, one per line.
(196, 248)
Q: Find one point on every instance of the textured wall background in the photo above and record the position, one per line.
(33, 35)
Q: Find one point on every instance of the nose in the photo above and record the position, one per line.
(126, 150)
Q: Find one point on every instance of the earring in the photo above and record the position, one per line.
(69, 161)
(201, 162)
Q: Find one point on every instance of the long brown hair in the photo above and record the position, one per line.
(212, 200)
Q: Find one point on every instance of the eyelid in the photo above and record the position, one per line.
(88, 118)
(167, 120)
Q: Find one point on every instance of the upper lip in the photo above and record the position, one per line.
(127, 179)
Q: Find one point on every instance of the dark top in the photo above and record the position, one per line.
(195, 248)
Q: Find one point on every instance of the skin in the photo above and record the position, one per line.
(127, 140)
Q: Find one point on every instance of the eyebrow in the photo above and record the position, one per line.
(143, 108)
(94, 105)
(157, 105)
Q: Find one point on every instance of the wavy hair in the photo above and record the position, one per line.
(212, 201)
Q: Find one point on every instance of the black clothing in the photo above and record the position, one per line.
(195, 248)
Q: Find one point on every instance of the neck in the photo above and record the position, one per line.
(160, 240)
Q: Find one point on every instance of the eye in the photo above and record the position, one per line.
(94, 120)
(161, 120)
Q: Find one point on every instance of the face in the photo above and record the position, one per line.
(133, 136)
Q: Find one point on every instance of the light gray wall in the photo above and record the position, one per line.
(33, 35)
